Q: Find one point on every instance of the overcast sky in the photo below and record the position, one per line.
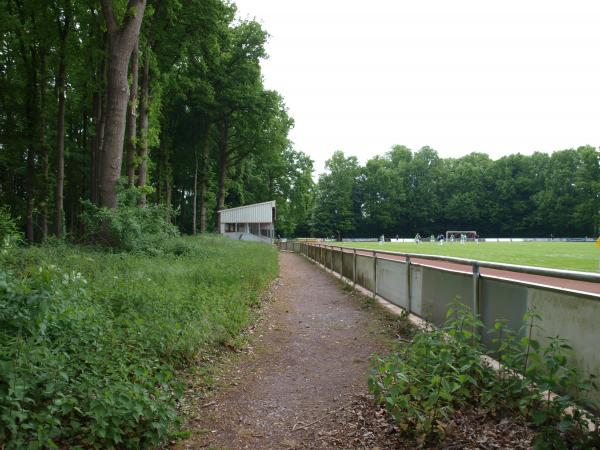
(460, 76)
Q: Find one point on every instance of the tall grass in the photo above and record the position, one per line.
(90, 341)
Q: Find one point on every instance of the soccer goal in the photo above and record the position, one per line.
(471, 235)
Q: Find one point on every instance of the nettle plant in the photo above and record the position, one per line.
(444, 369)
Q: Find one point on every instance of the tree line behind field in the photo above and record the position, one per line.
(118, 114)
(405, 192)
(118, 103)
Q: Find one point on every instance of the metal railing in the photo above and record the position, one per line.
(426, 285)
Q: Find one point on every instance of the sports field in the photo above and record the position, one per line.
(581, 256)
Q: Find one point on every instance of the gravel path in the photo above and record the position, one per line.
(307, 366)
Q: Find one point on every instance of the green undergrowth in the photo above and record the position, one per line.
(91, 342)
(441, 370)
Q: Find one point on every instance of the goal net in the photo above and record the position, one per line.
(471, 235)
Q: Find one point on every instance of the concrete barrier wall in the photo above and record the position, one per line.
(348, 265)
(364, 272)
(568, 314)
(337, 261)
(439, 289)
(573, 318)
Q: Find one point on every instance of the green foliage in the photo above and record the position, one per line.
(91, 342)
(404, 192)
(443, 369)
(9, 234)
(337, 207)
(131, 228)
(424, 382)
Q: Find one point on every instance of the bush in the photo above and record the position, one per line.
(9, 233)
(443, 369)
(91, 341)
(129, 227)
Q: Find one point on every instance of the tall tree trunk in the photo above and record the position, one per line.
(195, 196)
(94, 147)
(144, 124)
(99, 124)
(204, 179)
(29, 54)
(132, 116)
(44, 149)
(100, 148)
(30, 194)
(223, 166)
(32, 120)
(169, 189)
(60, 129)
(121, 40)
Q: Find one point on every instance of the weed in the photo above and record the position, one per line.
(91, 342)
(423, 383)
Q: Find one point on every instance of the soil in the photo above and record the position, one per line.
(301, 380)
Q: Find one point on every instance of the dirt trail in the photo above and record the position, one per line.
(310, 358)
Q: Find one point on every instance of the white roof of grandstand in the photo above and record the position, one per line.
(271, 203)
(256, 213)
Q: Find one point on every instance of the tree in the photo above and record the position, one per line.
(338, 212)
(63, 21)
(121, 41)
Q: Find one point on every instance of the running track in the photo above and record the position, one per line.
(573, 285)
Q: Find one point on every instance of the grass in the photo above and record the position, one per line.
(93, 344)
(580, 256)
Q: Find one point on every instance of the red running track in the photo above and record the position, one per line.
(573, 285)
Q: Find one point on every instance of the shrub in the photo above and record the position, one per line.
(443, 369)
(9, 233)
(91, 341)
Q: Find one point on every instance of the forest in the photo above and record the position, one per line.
(405, 192)
(116, 113)
(112, 104)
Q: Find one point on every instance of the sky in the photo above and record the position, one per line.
(460, 76)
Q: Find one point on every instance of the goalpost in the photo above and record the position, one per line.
(471, 235)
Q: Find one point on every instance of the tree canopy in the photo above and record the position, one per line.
(165, 98)
(404, 192)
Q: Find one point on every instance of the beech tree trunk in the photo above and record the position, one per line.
(223, 166)
(94, 147)
(144, 124)
(132, 116)
(195, 199)
(121, 40)
(204, 180)
(60, 129)
(30, 194)
(44, 149)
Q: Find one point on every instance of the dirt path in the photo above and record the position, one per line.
(309, 361)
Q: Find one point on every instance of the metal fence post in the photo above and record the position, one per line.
(374, 274)
(476, 273)
(408, 284)
(354, 267)
(331, 258)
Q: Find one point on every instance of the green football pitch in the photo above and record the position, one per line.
(583, 256)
